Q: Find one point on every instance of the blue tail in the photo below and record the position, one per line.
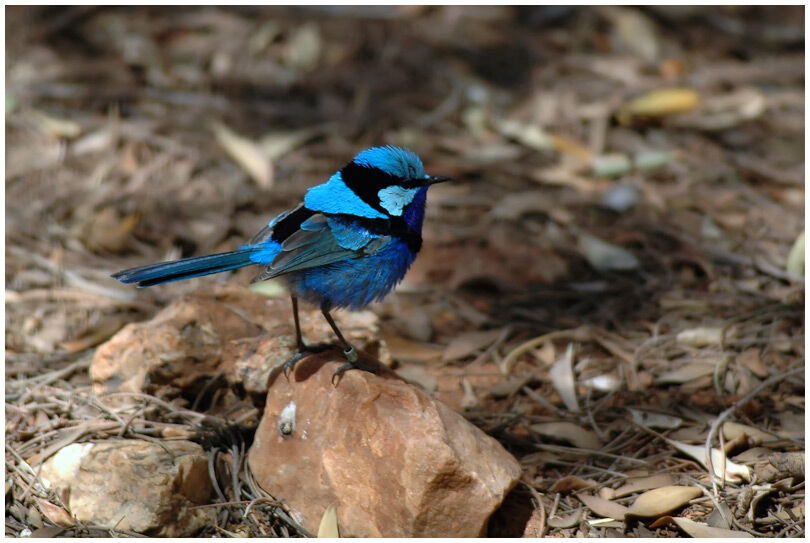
(186, 268)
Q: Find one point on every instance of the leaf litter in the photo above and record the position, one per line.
(635, 198)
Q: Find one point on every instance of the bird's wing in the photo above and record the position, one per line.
(267, 230)
(320, 241)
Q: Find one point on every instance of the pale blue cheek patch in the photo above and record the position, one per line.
(335, 197)
(394, 198)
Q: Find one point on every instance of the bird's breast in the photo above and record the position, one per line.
(356, 282)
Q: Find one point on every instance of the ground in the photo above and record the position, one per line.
(624, 235)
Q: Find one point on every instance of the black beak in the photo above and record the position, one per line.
(432, 180)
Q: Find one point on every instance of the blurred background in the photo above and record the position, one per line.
(638, 171)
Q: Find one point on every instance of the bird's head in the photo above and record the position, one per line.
(380, 182)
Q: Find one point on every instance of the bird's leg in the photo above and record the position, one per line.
(348, 349)
(299, 340)
(302, 348)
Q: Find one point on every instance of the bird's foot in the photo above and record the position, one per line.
(303, 352)
(353, 363)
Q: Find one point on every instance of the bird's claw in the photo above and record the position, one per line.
(353, 363)
(289, 365)
(303, 351)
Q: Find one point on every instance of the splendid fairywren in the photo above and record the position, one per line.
(349, 243)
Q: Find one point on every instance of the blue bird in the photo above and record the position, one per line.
(347, 244)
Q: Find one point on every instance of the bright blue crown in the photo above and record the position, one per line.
(395, 161)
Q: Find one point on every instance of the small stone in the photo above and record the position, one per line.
(181, 345)
(393, 461)
(134, 485)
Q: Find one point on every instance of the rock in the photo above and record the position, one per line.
(250, 361)
(134, 485)
(394, 461)
(228, 331)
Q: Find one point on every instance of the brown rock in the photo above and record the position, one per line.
(229, 331)
(134, 485)
(250, 361)
(394, 461)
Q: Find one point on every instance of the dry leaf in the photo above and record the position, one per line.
(605, 256)
(562, 377)
(662, 500)
(603, 507)
(329, 523)
(509, 387)
(304, 47)
(563, 176)
(618, 164)
(568, 521)
(734, 472)
(246, 154)
(547, 353)
(539, 458)
(721, 516)
(649, 160)
(686, 373)
(97, 141)
(696, 529)
(568, 431)
(636, 30)
(54, 513)
(416, 374)
(416, 324)
(572, 148)
(725, 111)
(529, 135)
(406, 350)
(750, 359)
(659, 103)
(45, 532)
(752, 455)
(567, 484)
(608, 382)
(700, 337)
(733, 430)
(174, 431)
(468, 344)
(644, 483)
(796, 512)
(276, 145)
(58, 128)
(272, 288)
(517, 204)
(470, 399)
(611, 165)
(104, 230)
(655, 420)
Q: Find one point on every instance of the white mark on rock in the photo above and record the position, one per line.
(286, 421)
